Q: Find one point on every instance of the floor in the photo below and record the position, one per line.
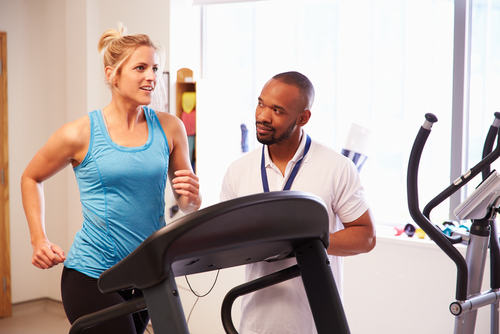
(44, 316)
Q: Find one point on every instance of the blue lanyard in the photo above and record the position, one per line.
(294, 172)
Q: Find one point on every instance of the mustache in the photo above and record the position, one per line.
(265, 125)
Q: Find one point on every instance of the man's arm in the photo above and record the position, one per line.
(357, 237)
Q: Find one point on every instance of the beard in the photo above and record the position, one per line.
(272, 139)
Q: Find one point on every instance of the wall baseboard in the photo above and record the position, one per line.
(44, 305)
(37, 306)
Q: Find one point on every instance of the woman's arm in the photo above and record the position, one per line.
(67, 145)
(183, 181)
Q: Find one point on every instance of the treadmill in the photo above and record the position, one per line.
(262, 227)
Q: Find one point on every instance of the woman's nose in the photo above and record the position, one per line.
(150, 75)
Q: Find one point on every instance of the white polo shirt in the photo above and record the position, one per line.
(284, 308)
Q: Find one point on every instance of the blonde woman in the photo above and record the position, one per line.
(121, 156)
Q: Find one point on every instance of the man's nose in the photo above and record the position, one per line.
(264, 114)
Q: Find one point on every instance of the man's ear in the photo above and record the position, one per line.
(304, 117)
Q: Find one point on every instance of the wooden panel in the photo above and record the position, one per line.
(5, 280)
(182, 87)
(185, 83)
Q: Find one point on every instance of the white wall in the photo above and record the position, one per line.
(184, 43)
(55, 76)
(36, 103)
(185, 46)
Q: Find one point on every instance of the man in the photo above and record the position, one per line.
(293, 161)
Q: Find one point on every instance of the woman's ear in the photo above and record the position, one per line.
(108, 71)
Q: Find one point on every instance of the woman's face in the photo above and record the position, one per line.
(137, 78)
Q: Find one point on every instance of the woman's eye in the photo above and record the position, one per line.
(155, 69)
(140, 68)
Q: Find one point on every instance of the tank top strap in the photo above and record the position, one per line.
(156, 126)
(97, 127)
(99, 136)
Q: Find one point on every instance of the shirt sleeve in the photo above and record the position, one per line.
(227, 191)
(350, 202)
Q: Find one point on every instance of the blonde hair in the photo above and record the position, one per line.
(116, 47)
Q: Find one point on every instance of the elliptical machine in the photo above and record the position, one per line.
(481, 207)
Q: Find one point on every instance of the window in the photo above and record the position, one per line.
(380, 64)
(484, 77)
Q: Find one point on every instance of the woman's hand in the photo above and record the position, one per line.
(187, 186)
(46, 255)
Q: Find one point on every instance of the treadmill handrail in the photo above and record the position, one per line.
(489, 141)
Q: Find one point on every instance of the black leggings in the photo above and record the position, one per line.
(81, 296)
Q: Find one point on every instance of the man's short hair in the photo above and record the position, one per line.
(300, 81)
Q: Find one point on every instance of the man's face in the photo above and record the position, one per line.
(277, 112)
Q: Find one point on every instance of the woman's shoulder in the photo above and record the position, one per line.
(164, 116)
(77, 131)
(80, 124)
(70, 140)
(168, 121)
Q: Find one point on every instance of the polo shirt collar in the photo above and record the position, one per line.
(298, 153)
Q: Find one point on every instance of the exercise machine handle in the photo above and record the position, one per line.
(488, 142)
(444, 242)
(483, 166)
(494, 243)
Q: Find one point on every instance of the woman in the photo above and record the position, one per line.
(121, 156)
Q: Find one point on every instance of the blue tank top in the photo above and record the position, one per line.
(122, 194)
